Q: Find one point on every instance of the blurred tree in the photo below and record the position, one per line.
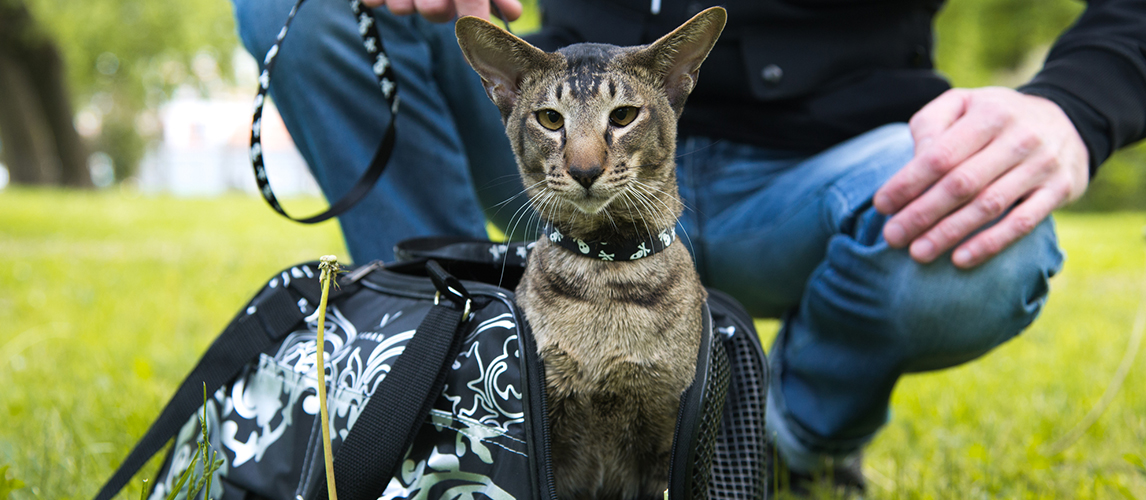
(38, 142)
(124, 58)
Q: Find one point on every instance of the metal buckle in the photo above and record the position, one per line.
(465, 310)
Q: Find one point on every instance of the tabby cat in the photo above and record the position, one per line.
(614, 300)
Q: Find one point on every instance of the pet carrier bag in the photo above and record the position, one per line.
(435, 391)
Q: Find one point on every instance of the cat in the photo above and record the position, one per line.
(593, 128)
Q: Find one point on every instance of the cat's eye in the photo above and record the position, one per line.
(550, 119)
(623, 116)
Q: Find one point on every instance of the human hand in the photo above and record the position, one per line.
(440, 11)
(978, 152)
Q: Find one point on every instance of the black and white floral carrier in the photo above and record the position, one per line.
(435, 391)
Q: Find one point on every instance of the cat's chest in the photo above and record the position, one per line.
(612, 326)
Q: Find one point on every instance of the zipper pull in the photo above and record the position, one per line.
(357, 274)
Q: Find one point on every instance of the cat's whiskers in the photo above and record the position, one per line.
(519, 193)
(539, 210)
(654, 213)
(684, 231)
(611, 221)
(633, 220)
(572, 214)
(648, 230)
(550, 204)
(524, 206)
(652, 191)
(687, 237)
(629, 206)
(526, 209)
(695, 151)
(649, 191)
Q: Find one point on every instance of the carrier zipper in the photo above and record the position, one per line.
(361, 272)
(691, 408)
(684, 409)
(546, 445)
(538, 406)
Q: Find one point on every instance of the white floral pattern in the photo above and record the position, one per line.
(271, 408)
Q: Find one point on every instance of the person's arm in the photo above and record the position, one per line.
(440, 11)
(982, 152)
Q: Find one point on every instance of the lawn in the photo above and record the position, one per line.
(107, 300)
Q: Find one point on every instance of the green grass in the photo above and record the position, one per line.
(107, 300)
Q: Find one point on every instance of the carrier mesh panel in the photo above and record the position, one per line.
(710, 428)
(740, 462)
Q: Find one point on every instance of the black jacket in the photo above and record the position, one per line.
(807, 74)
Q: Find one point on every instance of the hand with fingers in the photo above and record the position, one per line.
(978, 154)
(440, 11)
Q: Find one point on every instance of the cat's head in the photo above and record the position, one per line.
(594, 126)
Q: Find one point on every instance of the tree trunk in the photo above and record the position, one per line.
(38, 139)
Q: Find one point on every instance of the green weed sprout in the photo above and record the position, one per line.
(203, 453)
(329, 269)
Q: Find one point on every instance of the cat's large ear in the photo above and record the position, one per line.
(676, 57)
(499, 57)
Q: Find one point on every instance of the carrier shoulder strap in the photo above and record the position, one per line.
(265, 321)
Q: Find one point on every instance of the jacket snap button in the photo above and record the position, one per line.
(772, 74)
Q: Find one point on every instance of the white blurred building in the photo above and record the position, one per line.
(204, 150)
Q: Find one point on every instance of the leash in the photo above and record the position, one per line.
(500, 15)
(383, 71)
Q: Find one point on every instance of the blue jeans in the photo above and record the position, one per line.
(790, 235)
(452, 156)
(796, 237)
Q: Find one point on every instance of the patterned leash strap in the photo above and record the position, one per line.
(383, 71)
(500, 15)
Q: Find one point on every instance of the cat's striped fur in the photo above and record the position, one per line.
(618, 339)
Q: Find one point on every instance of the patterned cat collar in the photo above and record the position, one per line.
(615, 251)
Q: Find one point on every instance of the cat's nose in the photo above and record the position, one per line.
(585, 174)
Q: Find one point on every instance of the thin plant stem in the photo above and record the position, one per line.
(1137, 333)
(328, 270)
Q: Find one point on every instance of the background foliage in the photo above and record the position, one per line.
(124, 57)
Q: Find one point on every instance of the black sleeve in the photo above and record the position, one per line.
(1096, 72)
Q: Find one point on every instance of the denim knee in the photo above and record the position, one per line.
(946, 316)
